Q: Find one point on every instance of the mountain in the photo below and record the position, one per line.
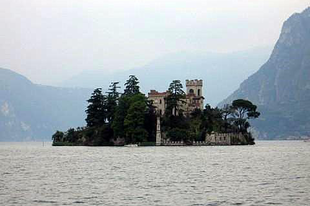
(34, 112)
(222, 73)
(281, 87)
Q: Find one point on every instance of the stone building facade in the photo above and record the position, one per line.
(194, 98)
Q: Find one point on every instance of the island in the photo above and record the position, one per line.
(170, 118)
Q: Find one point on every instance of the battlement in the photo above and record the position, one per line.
(156, 93)
(196, 82)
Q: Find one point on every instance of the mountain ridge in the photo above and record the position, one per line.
(33, 112)
(211, 67)
(281, 87)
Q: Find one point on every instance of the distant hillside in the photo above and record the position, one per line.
(222, 73)
(281, 87)
(33, 112)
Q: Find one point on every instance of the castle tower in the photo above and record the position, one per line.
(194, 95)
(194, 87)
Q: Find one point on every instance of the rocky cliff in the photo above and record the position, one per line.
(281, 87)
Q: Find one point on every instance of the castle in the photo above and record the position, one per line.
(193, 98)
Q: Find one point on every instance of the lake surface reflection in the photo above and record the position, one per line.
(269, 173)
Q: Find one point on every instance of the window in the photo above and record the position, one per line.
(160, 101)
(198, 92)
(191, 91)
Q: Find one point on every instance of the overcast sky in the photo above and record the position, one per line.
(52, 40)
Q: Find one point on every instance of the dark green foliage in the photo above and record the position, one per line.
(119, 116)
(131, 86)
(101, 136)
(177, 134)
(130, 114)
(226, 112)
(175, 122)
(212, 119)
(174, 126)
(134, 122)
(58, 136)
(70, 135)
(242, 110)
(131, 118)
(175, 98)
(111, 101)
(96, 114)
(196, 126)
(150, 121)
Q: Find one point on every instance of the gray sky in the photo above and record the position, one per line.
(52, 40)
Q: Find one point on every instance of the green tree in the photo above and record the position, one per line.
(71, 135)
(111, 102)
(175, 98)
(150, 121)
(134, 123)
(95, 110)
(131, 86)
(226, 112)
(242, 111)
(212, 119)
(58, 136)
(177, 134)
(120, 115)
(131, 95)
(196, 125)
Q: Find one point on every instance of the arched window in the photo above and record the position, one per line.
(198, 92)
(191, 91)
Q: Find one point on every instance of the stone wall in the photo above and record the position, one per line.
(225, 138)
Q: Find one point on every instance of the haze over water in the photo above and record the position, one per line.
(269, 173)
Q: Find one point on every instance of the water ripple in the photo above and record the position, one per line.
(269, 173)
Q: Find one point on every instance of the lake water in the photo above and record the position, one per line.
(269, 173)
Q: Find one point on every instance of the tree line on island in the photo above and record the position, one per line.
(130, 118)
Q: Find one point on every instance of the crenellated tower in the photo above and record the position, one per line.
(194, 95)
(194, 87)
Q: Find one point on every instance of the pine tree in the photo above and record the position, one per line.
(175, 98)
(96, 114)
(111, 102)
(131, 86)
(243, 110)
